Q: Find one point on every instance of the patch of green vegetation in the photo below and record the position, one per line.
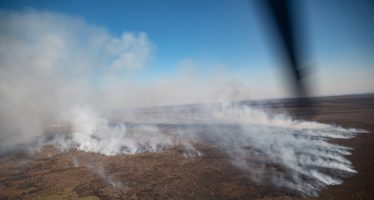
(64, 196)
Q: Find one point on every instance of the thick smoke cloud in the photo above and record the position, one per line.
(51, 62)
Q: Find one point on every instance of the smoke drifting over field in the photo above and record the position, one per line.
(52, 63)
(273, 148)
(59, 85)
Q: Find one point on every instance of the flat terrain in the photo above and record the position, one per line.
(50, 174)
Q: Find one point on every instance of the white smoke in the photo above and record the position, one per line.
(273, 148)
(98, 169)
(103, 174)
(288, 153)
(93, 133)
(51, 62)
(60, 81)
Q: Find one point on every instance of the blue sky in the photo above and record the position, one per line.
(211, 33)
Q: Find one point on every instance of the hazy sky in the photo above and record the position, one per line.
(231, 37)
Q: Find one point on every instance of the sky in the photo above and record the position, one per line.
(233, 39)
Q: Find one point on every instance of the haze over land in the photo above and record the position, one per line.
(64, 74)
(74, 84)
